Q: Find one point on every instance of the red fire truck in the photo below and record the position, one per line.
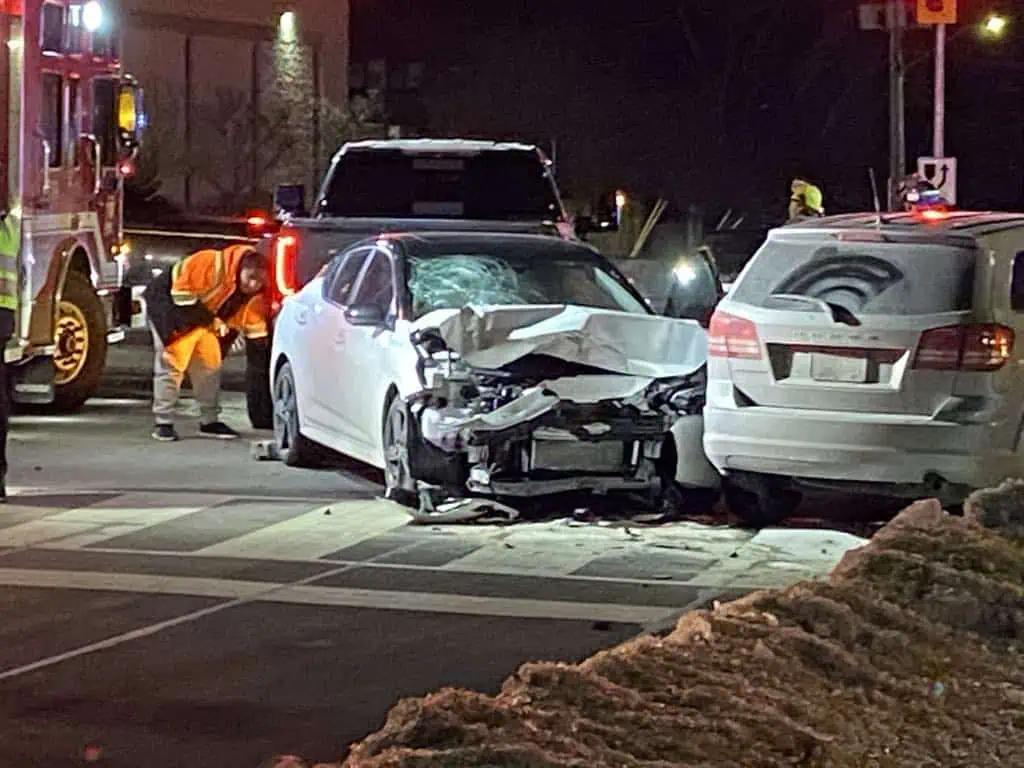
(73, 119)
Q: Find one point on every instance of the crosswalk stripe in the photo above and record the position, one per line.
(304, 594)
(36, 532)
(316, 533)
(96, 523)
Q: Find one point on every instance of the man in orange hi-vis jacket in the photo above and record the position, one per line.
(191, 308)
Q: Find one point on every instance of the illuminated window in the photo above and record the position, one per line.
(73, 30)
(288, 27)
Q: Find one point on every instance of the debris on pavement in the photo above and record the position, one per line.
(909, 654)
(463, 511)
(264, 450)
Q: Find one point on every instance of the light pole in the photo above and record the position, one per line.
(939, 143)
(897, 108)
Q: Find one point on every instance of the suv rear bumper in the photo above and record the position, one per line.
(860, 448)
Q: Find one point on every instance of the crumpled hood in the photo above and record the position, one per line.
(630, 344)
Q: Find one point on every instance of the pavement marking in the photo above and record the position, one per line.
(152, 629)
(211, 525)
(124, 515)
(433, 602)
(41, 531)
(314, 534)
(303, 593)
(72, 579)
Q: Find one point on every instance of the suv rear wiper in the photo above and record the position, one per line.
(839, 314)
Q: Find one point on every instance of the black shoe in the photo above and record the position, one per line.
(218, 430)
(165, 433)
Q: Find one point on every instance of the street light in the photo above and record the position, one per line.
(995, 25)
(92, 15)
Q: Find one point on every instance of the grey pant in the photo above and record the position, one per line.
(203, 368)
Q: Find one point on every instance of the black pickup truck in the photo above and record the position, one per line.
(377, 187)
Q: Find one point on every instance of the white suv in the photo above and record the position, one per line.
(871, 354)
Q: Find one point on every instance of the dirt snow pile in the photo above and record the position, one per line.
(909, 655)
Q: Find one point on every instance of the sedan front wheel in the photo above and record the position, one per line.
(397, 434)
(294, 449)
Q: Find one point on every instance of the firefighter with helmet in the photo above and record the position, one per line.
(193, 308)
(805, 200)
(10, 244)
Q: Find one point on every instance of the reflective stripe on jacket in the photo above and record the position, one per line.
(196, 289)
(10, 246)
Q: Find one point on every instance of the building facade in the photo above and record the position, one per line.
(240, 95)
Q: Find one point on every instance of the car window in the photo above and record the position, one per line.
(509, 278)
(863, 278)
(507, 185)
(376, 288)
(1017, 283)
(342, 280)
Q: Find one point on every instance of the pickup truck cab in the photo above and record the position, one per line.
(393, 186)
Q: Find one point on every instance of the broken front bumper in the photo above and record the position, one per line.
(550, 447)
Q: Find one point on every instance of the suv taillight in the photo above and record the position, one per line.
(735, 337)
(283, 282)
(965, 348)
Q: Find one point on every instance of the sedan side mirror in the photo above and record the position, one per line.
(365, 315)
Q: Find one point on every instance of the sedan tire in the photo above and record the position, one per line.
(294, 449)
(398, 431)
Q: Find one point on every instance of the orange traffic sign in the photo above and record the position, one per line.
(936, 11)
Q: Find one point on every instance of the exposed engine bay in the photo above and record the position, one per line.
(523, 402)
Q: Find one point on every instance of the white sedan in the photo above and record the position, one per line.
(490, 366)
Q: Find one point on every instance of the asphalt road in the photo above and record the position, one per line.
(184, 604)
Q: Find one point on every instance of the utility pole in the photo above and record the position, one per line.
(939, 148)
(897, 107)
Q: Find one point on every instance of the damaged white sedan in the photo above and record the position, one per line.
(491, 367)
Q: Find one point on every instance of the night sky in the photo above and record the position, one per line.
(709, 102)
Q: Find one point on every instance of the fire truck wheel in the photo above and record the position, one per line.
(81, 341)
(258, 399)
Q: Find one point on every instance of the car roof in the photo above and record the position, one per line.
(952, 223)
(433, 146)
(482, 240)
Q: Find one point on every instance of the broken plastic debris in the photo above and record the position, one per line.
(464, 511)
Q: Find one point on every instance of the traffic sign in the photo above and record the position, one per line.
(936, 11)
(875, 15)
(940, 172)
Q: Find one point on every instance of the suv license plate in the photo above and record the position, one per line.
(837, 368)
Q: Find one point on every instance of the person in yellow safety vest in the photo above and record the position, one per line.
(805, 201)
(10, 246)
(191, 308)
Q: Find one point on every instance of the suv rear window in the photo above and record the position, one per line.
(505, 185)
(863, 278)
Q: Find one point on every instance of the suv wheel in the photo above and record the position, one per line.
(768, 505)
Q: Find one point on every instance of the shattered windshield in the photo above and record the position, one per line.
(456, 280)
